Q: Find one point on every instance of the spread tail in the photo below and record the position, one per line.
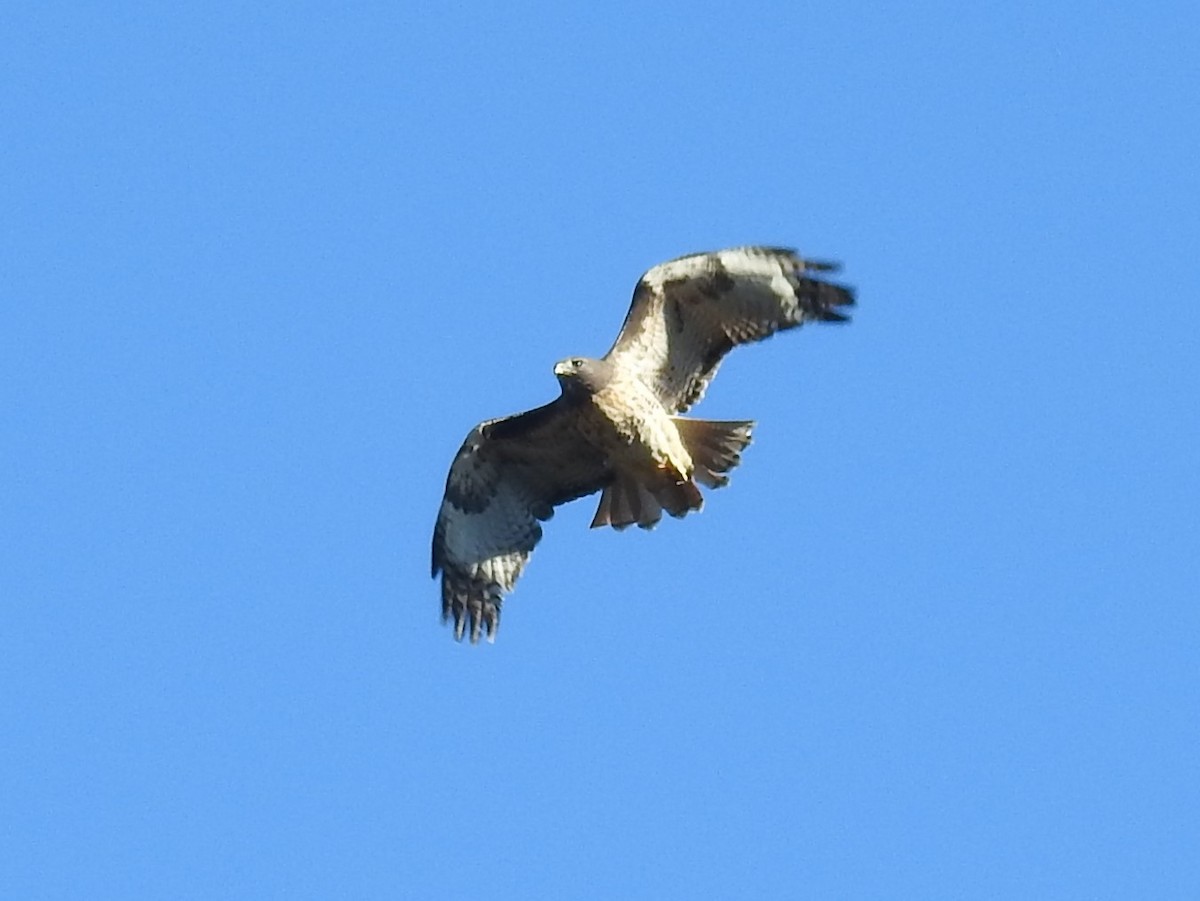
(715, 448)
(627, 501)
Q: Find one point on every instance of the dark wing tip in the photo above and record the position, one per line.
(822, 266)
(471, 603)
(821, 299)
(818, 297)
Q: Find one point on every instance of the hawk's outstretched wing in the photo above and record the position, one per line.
(688, 313)
(509, 474)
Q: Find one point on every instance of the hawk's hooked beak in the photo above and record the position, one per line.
(562, 369)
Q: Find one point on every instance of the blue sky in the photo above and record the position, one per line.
(263, 268)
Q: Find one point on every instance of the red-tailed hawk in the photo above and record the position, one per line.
(614, 425)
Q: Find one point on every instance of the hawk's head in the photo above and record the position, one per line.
(583, 375)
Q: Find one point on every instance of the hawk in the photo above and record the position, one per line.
(615, 427)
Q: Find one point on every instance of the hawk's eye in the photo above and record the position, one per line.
(577, 363)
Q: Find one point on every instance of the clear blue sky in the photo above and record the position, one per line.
(263, 266)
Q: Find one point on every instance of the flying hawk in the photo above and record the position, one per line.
(614, 427)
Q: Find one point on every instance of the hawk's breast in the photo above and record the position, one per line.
(628, 422)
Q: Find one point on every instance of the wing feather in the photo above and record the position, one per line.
(687, 314)
(508, 476)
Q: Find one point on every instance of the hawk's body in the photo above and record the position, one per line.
(614, 427)
(629, 424)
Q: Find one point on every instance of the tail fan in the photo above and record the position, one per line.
(625, 502)
(716, 447)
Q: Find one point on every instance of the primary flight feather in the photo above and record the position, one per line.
(615, 426)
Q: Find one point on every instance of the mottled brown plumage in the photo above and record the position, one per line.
(615, 427)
